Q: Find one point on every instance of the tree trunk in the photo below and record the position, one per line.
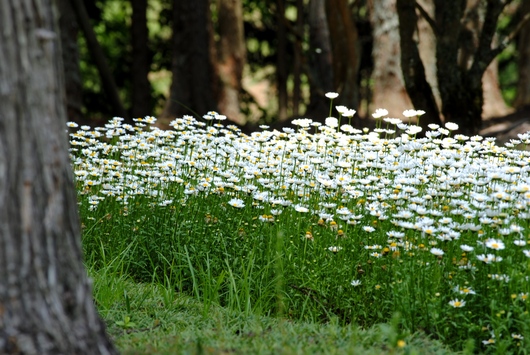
(281, 61)
(141, 88)
(320, 61)
(297, 60)
(388, 85)
(107, 80)
(46, 305)
(523, 84)
(494, 104)
(464, 31)
(427, 47)
(193, 85)
(73, 84)
(418, 88)
(460, 83)
(232, 54)
(346, 51)
(473, 20)
(461, 99)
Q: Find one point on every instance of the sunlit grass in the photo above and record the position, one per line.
(320, 223)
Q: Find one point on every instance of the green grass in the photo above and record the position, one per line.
(150, 319)
(315, 227)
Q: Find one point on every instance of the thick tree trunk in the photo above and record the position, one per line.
(461, 94)
(141, 88)
(523, 83)
(73, 84)
(460, 83)
(388, 85)
(418, 88)
(46, 305)
(194, 84)
(231, 58)
(346, 52)
(461, 99)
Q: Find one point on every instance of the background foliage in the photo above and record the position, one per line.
(111, 20)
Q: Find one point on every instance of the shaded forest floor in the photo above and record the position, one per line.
(507, 127)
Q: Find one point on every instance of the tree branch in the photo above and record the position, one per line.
(488, 54)
(105, 73)
(427, 18)
(484, 54)
(525, 20)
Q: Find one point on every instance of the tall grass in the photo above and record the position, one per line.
(319, 223)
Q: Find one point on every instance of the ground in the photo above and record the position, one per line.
(507, 127)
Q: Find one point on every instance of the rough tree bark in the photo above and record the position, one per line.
(194, 84)
(46, 304)
(231, 61)
(388, 85)
(141, 88)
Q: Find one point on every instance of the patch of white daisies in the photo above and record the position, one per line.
(439, 186)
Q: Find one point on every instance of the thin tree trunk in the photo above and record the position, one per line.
(426, 40)
(194, 84)
(297, 60)
(281, 61)
(107, 80)
(141, 88)
(523, 83)
(46, 304)
(418, 88)
(231, 58)
(73, 84)
(320, 61)
(346, 52)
